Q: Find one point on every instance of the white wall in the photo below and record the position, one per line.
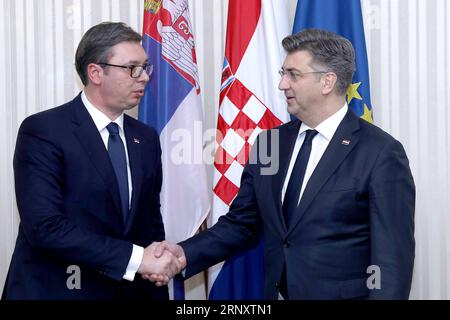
(408, 43)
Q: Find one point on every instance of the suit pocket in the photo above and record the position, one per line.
(340, 184)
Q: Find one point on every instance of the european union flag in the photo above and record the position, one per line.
(343, 17)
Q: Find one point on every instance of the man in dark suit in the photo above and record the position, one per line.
(337, 216)
(87, 180)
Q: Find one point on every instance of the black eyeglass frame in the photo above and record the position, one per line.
(148, 67)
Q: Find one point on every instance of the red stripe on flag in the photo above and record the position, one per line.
(246, 13)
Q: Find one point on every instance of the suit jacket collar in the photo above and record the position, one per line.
(89, 137)
(344, 140)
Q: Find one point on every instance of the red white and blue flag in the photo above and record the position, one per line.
(249, 103)
(172, 105)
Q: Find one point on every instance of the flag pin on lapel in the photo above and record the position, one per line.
(136, 141)
(345, 142)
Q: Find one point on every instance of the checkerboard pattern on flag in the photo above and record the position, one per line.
(172, 105)
(249, 103)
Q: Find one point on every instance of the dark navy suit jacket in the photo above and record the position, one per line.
(357, 211)
(68, 201)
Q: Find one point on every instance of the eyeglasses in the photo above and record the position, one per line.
(135, 70)
(295, 75)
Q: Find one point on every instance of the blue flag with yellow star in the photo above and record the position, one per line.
(343, 17)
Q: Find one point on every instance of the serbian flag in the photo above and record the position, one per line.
(249, 103)
(172, 105)
(343, 17)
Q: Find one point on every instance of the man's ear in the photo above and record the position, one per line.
(328, 82)
(95, 73)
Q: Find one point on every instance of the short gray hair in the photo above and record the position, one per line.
(329, 50)
(96, 44)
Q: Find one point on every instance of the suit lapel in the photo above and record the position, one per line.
(89, 137)
(286, 143)
(342, 143)
(135, 158)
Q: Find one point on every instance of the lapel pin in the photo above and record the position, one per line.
(345, 142)
(136, 141)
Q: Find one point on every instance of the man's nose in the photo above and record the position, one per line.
(144, 77)
(283, 84)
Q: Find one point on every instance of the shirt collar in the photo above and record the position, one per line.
(328, 127)
(101, 120)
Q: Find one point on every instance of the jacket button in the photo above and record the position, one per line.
(287, 244)
(277, 285)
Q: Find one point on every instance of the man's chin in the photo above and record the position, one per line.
(134, 103)
(291, 109)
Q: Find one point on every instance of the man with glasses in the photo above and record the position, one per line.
(87, 180)
(337, 217)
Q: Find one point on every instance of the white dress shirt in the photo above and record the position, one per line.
(326, 130)
(101, 121)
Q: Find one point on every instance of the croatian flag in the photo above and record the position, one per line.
(249, 103)
(172, 105)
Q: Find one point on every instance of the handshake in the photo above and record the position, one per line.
(161, 262)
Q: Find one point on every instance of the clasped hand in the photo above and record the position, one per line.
(161, 262)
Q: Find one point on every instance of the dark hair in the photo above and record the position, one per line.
(96, 44)
(329, 50)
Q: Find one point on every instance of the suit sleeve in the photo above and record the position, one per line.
(392, 203)
(233, 232)
(39, 183)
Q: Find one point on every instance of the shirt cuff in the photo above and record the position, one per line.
(134, 263)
